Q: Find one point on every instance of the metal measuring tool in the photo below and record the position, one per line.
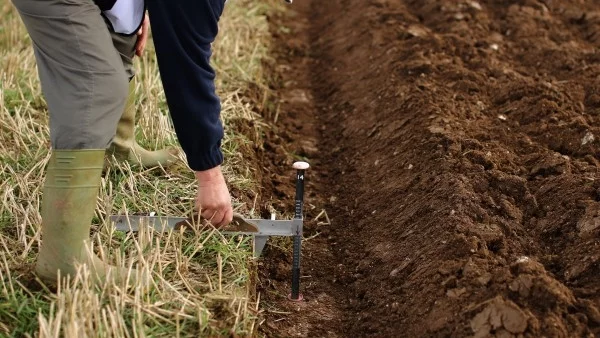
(261, 229)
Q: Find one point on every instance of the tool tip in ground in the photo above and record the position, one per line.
(300, 298)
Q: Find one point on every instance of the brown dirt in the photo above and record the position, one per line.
(458, 160)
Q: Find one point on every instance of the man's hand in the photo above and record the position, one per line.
(213, 199)
(142, 34)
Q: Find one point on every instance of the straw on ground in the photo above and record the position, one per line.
(200, 284)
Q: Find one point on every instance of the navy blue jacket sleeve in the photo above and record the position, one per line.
(183, 31)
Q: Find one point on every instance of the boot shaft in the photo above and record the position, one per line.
(125, 135)
(75, 169)
(72, 181)
(124, 146)
(69, 198)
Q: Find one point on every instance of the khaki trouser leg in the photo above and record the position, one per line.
(82, 75)
(85, 85)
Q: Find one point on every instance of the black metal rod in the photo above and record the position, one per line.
(299, 194)
(298, 237)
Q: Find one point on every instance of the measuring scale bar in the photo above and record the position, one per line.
(261, 229)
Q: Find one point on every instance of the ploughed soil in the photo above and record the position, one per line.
(455, 149)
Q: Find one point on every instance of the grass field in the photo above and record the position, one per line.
(201, 284)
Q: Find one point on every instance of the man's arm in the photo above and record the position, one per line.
(183, 32)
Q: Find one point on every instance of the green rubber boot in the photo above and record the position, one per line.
(124, 146)
(69, 200)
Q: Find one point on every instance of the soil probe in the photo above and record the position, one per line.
(300, 169)
(261, 229)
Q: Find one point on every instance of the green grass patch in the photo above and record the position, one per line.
(199, 283)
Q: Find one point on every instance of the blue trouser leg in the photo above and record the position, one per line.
(183, 31)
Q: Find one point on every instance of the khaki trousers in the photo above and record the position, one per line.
(84, 70)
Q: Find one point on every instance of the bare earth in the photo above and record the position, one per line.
(455, 147)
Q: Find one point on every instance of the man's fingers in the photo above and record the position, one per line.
(140, 49)
(217, 219)
(228, 216)
(208, 214)
(140, 46)
(142, 34)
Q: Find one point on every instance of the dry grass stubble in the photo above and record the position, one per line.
(201, 283)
